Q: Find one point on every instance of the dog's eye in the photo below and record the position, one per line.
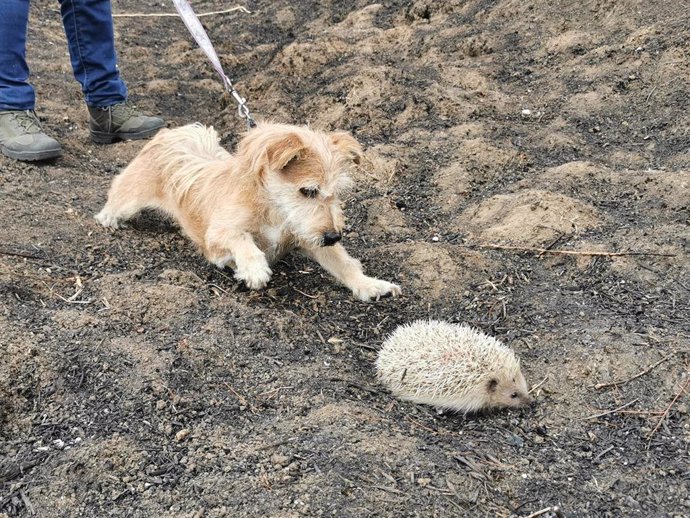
(309, 193)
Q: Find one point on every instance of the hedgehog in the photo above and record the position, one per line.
(451, 367)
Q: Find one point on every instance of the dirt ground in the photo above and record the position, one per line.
(136, 380)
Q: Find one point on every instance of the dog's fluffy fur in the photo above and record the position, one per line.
(280, 190)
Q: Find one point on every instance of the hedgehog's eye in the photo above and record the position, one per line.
(309, 192)
(514, 395)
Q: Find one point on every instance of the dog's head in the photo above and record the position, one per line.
(303, 174)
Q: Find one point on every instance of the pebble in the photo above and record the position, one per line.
(279, 460)
(182, 434)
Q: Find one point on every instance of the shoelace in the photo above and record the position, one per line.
(125, 109)
(119, 113)
(28, 121)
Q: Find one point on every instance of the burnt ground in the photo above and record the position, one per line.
(137, 380)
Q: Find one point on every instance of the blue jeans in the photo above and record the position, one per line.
(89, 29)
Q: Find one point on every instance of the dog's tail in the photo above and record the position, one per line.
(197, 139)
(190, 154)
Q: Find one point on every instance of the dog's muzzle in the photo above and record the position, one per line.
(331, 238)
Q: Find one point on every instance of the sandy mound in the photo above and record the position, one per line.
(527, 218)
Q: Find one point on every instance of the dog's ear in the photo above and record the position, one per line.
(282, 151)
(346, 144)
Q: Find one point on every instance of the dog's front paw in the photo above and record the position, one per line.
(107, 219)
(371, 288)
(255, 275)
(222, 261)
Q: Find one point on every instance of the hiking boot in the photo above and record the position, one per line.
(121, 122)
(21, 137)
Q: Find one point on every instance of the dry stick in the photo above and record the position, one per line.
(27, 503)
(668, 408)
(602, 453)
(571, 252)
(611, 411)
(538, 384)
(555, 509)
(306, 294)
(42, 278)
(553, 243)
(20, 254)
(615, 383)
(175, 15)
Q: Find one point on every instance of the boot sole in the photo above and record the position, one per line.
(31, 156)
(103, 137)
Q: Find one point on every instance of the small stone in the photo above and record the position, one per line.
(279, 460)
(424, 482)
(59, 444)
(160, 404)
(182, 434)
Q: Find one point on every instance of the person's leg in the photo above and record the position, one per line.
(89, 28)
(21, 136)
(15, 91)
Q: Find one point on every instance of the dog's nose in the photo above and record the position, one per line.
(331, 238)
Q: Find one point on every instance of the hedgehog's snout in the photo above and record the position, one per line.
(520, 399)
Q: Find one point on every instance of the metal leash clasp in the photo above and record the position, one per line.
(197, 31)
(242, 108)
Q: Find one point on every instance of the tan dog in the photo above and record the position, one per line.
(280, 191)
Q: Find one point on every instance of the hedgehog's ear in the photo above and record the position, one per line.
(491, 386)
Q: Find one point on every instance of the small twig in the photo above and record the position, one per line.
(217, 287)
(278, 389)
(306, 294)
(555, 509)
(641, 412)
(20, 254)
(27, 503)
(623, 382)
(388, 489)
(72, 301)
(611, 411)
(650, 94)
(552, 244)
(243, 400)
(602, 454)
(45, 279)
(420, 425)
(364, 388)
(668, 408)
(571, 252)
(454, 504)
(538, 384)
(175, 15)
